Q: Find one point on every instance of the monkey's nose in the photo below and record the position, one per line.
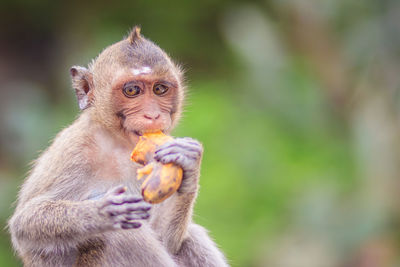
(152, 117)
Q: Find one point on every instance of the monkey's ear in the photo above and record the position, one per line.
(82, 82)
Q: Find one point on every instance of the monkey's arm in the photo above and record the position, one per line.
(176, 213)
(61, 223)
(198, 249)
(189, 242)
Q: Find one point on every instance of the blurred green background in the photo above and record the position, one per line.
(297, 104)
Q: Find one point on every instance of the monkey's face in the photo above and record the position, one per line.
(132, 86)
(144, 100)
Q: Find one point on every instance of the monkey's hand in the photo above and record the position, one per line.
(187, 153)
(122, 210)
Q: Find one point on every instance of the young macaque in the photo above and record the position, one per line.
(81, 203)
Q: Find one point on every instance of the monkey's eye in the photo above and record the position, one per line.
(131, 90)
(160, 89)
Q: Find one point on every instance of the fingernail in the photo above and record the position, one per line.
(136, 225)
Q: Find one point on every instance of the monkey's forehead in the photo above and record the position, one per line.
(143, 54)
(144, 73)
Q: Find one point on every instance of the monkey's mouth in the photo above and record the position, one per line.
(130, 128)
(133, 132)
(140, 133)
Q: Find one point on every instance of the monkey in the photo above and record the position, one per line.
(80, 205)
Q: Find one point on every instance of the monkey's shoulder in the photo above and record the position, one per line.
(63, 163)
(68, 151)
(78, 158)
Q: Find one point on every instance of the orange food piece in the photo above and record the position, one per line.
(147, 145)
(161, 180)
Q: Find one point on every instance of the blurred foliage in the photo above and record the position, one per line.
(296, 103)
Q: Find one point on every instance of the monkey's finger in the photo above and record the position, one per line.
(184, 145)
(115, 210)
(191, 143)
(138, 212)
(186, 140)
(137, 207)
(130, 225)
(136, 216)
(189, 140)
(121, 199)
(127, 225)
(185, 162)
(127, 218)
(176, 150)
(117, 190)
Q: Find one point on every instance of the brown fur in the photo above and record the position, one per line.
(91, 253)
(58, 219)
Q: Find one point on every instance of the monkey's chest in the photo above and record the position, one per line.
(113, 164)
(108, 176)
(113, 168)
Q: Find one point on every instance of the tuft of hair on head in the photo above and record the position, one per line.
(134, 35)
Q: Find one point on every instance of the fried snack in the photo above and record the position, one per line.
(161, 180)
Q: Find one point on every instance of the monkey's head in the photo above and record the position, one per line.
(132, 86)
